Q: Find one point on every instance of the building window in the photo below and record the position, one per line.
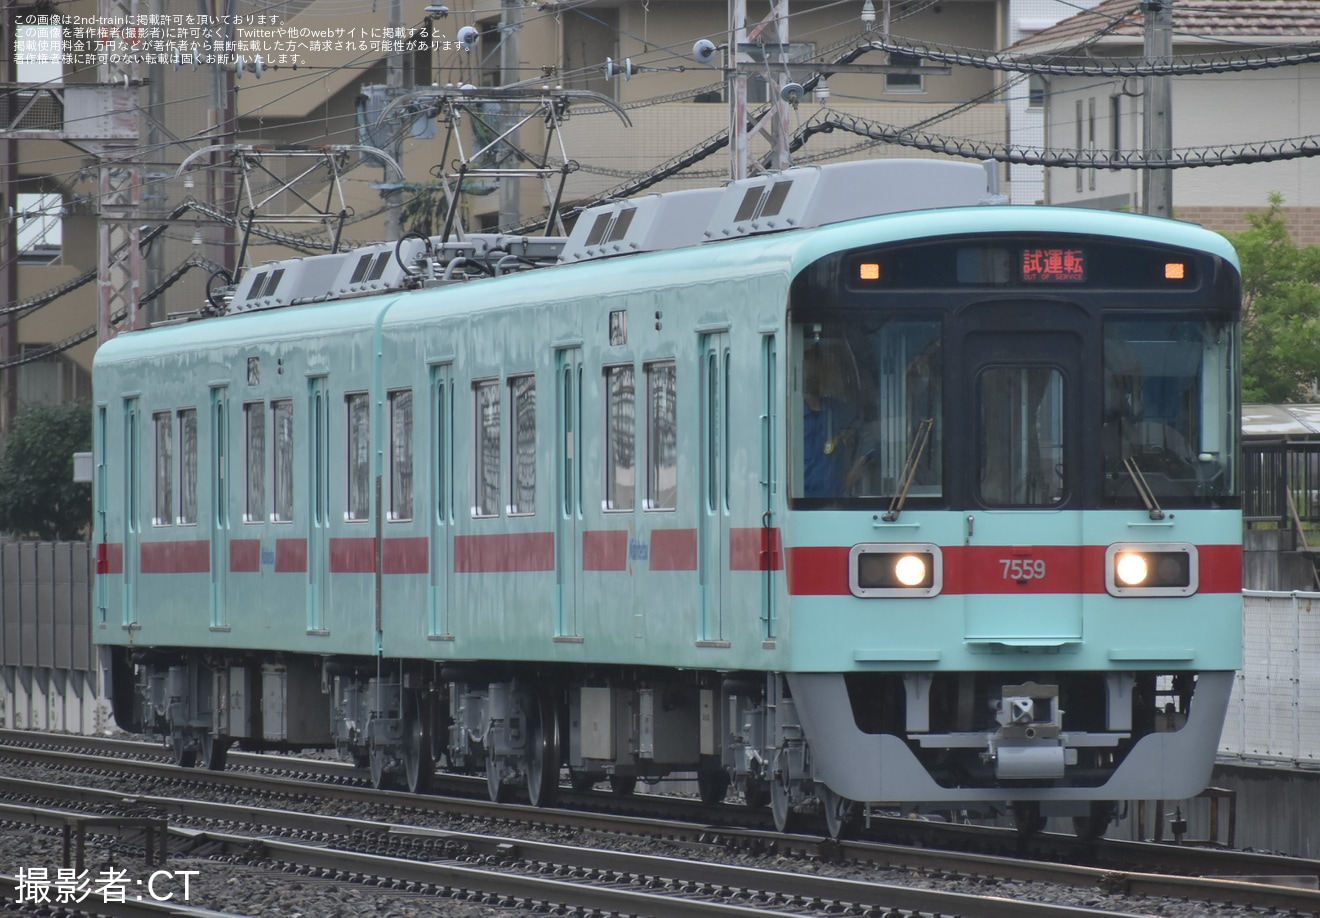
(620, 438)
(282, 414)
(164, 512)
(401, 454)
(1035, 91)
(254, 424)
(1115, 125)
(1080, 143)
(359, 456)
(522, 443)
(903, 82)
(187, 466)
(661, 436)
(486, 440)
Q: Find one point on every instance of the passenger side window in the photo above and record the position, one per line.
(254, 425)
(359, 456)
(620, 438)
(282, 412)
(187, 466)
(661, 436)
(486, 444)
(401, 454)
(522, 445)
(163, 514)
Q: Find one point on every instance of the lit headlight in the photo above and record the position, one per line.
(1152, 569)
(889, 569)
(1130, 568)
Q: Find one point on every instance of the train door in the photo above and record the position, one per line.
(713, 517)
(102, 594)
(1024, 393)
(442, 497)
(568, 503)
(219, 492)
(769, 485)
(318, 519)
(132, 502)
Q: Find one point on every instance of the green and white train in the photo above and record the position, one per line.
(837, 485)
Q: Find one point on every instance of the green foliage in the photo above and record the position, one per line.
(1280, 309)
(38, 496)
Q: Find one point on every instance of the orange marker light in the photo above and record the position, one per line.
(1175, 270)
(869, 271)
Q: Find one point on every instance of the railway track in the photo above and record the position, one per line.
(957, 869)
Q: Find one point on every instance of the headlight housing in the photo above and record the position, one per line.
(912, 569)
(1151, 569)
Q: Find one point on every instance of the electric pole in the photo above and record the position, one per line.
(394, 88)
(1157, 123)
(510, 190)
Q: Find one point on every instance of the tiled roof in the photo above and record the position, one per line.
(1201, 22)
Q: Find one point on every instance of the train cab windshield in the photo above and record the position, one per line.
(870, 407)
(881, 402)
(1170, 409)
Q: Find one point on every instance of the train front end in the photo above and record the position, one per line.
(1013, 538)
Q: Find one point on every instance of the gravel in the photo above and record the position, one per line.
(241, 889)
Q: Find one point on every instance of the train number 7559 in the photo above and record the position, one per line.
(1023, 568)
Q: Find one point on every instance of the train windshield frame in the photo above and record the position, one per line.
(1014, 373)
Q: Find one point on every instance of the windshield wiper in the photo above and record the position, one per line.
(918, 447)
(1143, 488)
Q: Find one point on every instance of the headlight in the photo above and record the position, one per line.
(1153, 569)
(889, 569)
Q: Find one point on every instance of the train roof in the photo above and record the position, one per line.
(776, 257)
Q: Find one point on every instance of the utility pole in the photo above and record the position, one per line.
(1157, 125)
(774, 58)
(510, 26)
(9, 245)
(394, 88)
(119, 191)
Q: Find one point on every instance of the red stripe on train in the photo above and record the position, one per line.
(755, 549)
(406, 555)
(245, 556)
(605, 550)
(110, 558)
(502, 553)
(673, 549)
(190, 557)
(290, 556)
(1009, 569)
(353, 556)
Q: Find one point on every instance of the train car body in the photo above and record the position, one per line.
(932, 507)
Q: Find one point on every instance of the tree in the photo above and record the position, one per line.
(38, 496)
(1280, 309)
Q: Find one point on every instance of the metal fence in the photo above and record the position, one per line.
(45, 605)
(50, 677)
(1281, 483)
(1274, 712)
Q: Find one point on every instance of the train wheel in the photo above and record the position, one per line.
(543, 755)
(840, 812)
(418, 765)
(1027, 819)
(215, 751)
(623, 785)
(781, 803)
(712, 785)
(498, 791)
(1093, 825)
(757, 793)
(376, 759)
(185, 754)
